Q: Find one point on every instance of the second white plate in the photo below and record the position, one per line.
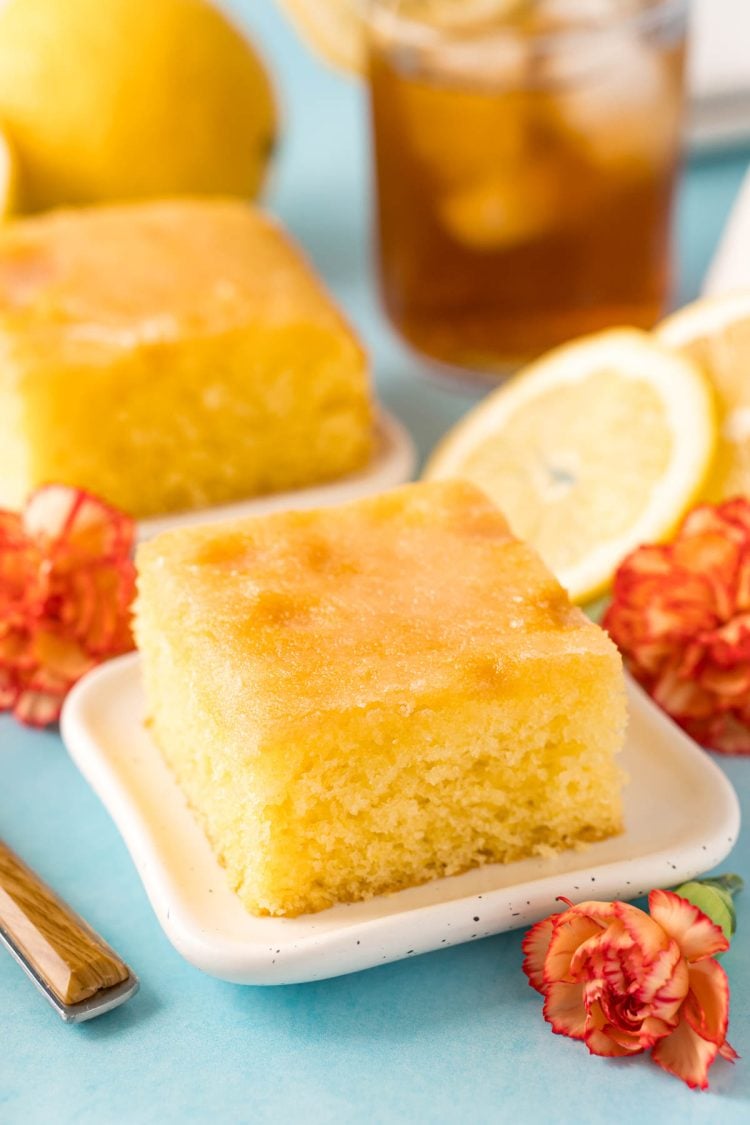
(681, 814)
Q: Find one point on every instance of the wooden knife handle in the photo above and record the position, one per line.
(70, 958)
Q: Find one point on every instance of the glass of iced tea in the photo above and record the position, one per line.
(526, 154)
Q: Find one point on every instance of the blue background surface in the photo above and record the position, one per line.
(449, 1037)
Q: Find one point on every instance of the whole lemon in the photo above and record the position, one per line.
(120, 99)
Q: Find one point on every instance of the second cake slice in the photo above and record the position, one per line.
(170, 355)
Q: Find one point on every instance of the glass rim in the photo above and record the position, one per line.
(650, 18)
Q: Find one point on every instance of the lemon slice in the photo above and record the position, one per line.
(597, 447)
(8, 177)
(715, 333)
(335, 29)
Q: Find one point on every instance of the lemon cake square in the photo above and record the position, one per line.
(361, 699)
(170, 355)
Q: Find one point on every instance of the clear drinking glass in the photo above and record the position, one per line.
(526, 153)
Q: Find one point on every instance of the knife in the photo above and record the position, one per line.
(70, 964)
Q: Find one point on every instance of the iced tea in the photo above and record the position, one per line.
(525, 154)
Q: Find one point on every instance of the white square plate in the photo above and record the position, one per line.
(393, 462)
(682, 818)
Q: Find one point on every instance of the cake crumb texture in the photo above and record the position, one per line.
(360, 699)
(172, 355)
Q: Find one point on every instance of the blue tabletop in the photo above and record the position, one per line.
(448, 1037)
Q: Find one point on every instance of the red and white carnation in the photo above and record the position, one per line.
(66, 585)
(624, 981)
(680, 614)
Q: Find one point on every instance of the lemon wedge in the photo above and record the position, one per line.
(599, 446)
(715, 333)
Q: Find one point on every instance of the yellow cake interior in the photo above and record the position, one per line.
(171, 355)
(363, 698)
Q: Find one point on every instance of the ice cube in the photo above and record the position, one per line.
(463, 15)
(562, 13)
(418, 22)
(470, 42)
(494, 61)
(503, 210)
(460, 137)
(621, 102)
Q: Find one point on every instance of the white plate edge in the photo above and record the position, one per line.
(234, 961)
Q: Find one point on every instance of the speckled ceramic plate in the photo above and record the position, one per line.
(682, 817)
(393, 463)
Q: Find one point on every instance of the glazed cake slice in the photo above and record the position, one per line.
(363, 698)
(171, 355)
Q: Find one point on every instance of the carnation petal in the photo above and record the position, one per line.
(645, 932)
(59, 656)
(682, 698)
(86, 524)
(49, 510)
(742, 585)
(727, 1051)
(729, 682)
(697, 936)
(652, 559)
(603, 913)
(664, 984)
(730, 642)
(650, 1032)
(37, 708)
(734, 514)
(713, 555)
(599, 1040)
(705, 519)
(707, 1007)
(535, 945)
(574, 927)
(66, 584)
(605, 957)
(726, 734)
(564, 1009)
(687, 1055)
(600, 1043)
(680, 614)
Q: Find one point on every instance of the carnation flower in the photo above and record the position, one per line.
(680, 614)
(624, 981)
(66, 585)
